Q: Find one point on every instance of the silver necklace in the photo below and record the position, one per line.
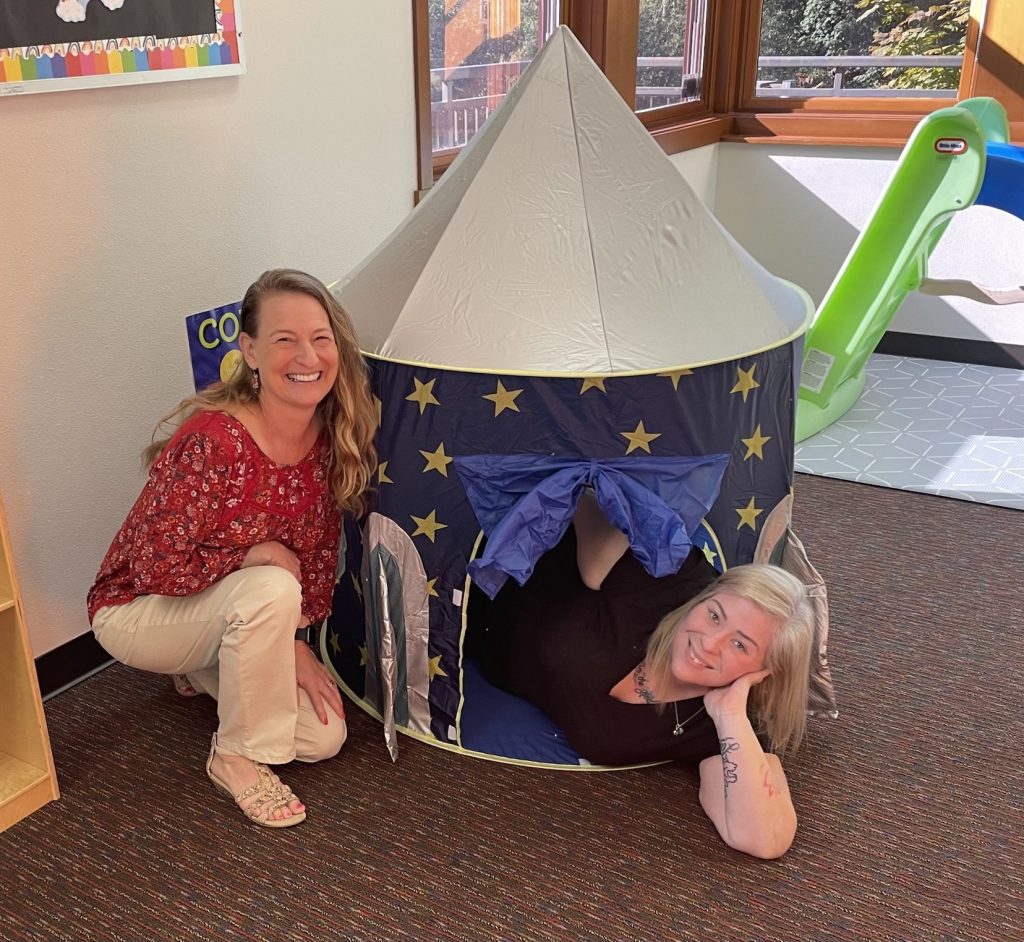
(646, 695)
(680, 728)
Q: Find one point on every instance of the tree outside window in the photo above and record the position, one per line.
(823, 37)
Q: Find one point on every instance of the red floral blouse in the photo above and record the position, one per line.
(211, 496)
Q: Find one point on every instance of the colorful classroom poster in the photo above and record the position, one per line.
(55, 45)
(213, 343)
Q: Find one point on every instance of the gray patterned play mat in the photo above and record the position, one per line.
(941, 428)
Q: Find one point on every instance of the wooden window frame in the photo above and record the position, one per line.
(871, 122)
(729, 111)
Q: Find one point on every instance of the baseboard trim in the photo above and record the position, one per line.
(69, 664)
(953, 349)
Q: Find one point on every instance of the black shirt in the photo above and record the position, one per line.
(563, 647)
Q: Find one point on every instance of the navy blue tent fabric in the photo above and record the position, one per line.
(502, 724)
(432, 420)
(525, 503)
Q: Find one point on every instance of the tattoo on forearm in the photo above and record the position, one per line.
(728, 766)
(769, 785)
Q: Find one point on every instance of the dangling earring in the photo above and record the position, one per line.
(255, 382)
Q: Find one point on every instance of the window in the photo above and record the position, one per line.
(700, 71)
(861, 48)
(478, 50)
(670, 52)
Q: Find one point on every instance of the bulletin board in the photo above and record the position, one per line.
(57, 45)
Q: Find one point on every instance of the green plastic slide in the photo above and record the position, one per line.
(939, 173)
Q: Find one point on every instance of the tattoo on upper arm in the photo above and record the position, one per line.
(728, 766)
(644, 692)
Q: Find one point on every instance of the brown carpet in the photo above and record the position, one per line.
(910, 803)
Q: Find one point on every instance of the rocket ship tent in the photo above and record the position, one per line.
(560, 312)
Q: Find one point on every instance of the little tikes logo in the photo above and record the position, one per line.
(951, 146)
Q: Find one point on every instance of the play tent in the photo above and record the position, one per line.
(560, 312)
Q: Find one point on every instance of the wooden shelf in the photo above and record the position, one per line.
(17, 776)
(24, 788)
(27, 777)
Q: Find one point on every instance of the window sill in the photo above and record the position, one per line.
(827, 130)
(689, 135)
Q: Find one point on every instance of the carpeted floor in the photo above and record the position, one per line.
(912, 825)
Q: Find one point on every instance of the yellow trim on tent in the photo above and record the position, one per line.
(464, 619)
(718, 545)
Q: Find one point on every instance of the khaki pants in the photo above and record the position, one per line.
(236, 642)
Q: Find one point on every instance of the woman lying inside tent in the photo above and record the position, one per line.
(695, 667)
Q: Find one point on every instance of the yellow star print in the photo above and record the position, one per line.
(378, 408)
(357, 585)
(431, 590)
(640, 438)
(364, 653)
(748, 515)
(423, 394)
(755, 444)
(428, 526)
(674, 376)
(745, 381)
(503, 399)
(593, 382)
(709, 554)
(434, 667)
(335, 646)
(382, 474)
(437, 460)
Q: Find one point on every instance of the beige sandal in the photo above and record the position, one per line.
(184, 686)
(268, 795)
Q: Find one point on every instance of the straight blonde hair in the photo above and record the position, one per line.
(348, 413)
(779, 702)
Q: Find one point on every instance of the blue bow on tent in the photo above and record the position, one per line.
(525, 503)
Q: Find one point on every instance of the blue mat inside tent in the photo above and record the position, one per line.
(501, 724)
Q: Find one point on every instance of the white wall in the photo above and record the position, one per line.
(699, 168)
(798, 210)
(127, 208)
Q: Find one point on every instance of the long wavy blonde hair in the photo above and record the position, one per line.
(779, 702)
(348, 414)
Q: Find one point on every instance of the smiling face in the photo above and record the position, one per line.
(720, 639)
(294, 350)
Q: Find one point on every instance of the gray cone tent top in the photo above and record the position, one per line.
(562, 240)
